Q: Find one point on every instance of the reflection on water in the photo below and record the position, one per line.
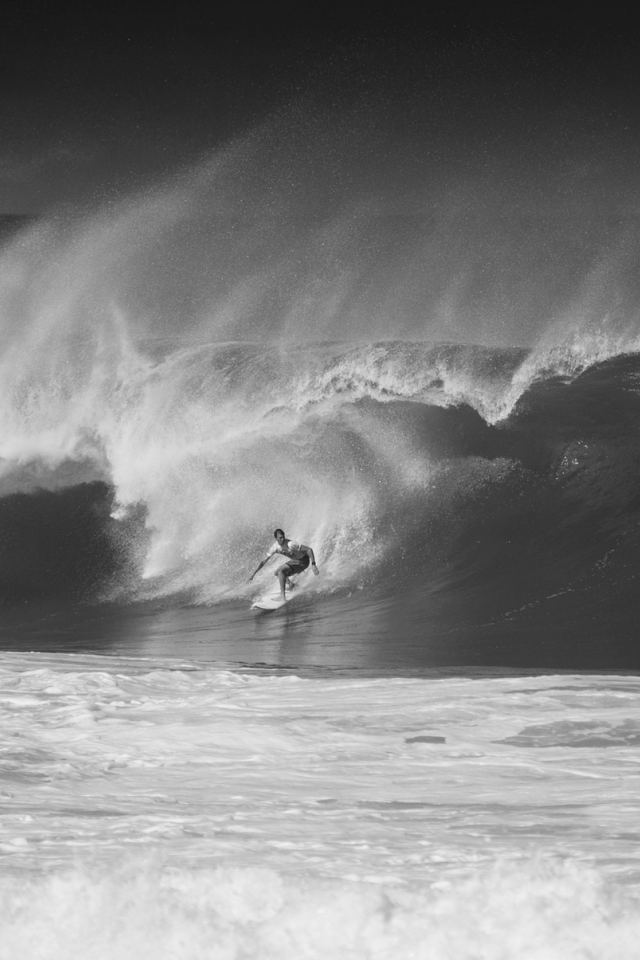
(405, 634)
(312, 633)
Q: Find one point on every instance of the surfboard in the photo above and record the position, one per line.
(273, 600)
(270, 603)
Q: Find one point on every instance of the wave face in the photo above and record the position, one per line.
(179, 378)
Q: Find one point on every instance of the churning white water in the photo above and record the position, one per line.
(171, 809)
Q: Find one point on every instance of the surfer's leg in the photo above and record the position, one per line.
(282, 575)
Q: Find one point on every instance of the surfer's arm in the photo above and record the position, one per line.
(311, 555)
(260, 566)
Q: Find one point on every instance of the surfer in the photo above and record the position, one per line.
(299, 557)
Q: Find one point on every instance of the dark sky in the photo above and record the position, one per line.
(98, 99)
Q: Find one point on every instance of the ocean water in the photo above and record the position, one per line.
(432, 750)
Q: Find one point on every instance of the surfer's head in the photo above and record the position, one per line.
(279, 535)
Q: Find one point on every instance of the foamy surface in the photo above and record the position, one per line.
(172, 809)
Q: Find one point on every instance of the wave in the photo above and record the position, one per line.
(171, 471)
(241, 348)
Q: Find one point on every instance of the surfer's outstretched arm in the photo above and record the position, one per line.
(259, 567)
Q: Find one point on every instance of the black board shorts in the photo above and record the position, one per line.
(297, 566)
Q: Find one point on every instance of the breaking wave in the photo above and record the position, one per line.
(247, 347)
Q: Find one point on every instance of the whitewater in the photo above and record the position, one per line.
(432, 750)
(170, 809)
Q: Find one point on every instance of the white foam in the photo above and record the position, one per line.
(532, 910)
(168, 809)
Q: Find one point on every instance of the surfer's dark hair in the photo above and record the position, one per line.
(276, 532)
